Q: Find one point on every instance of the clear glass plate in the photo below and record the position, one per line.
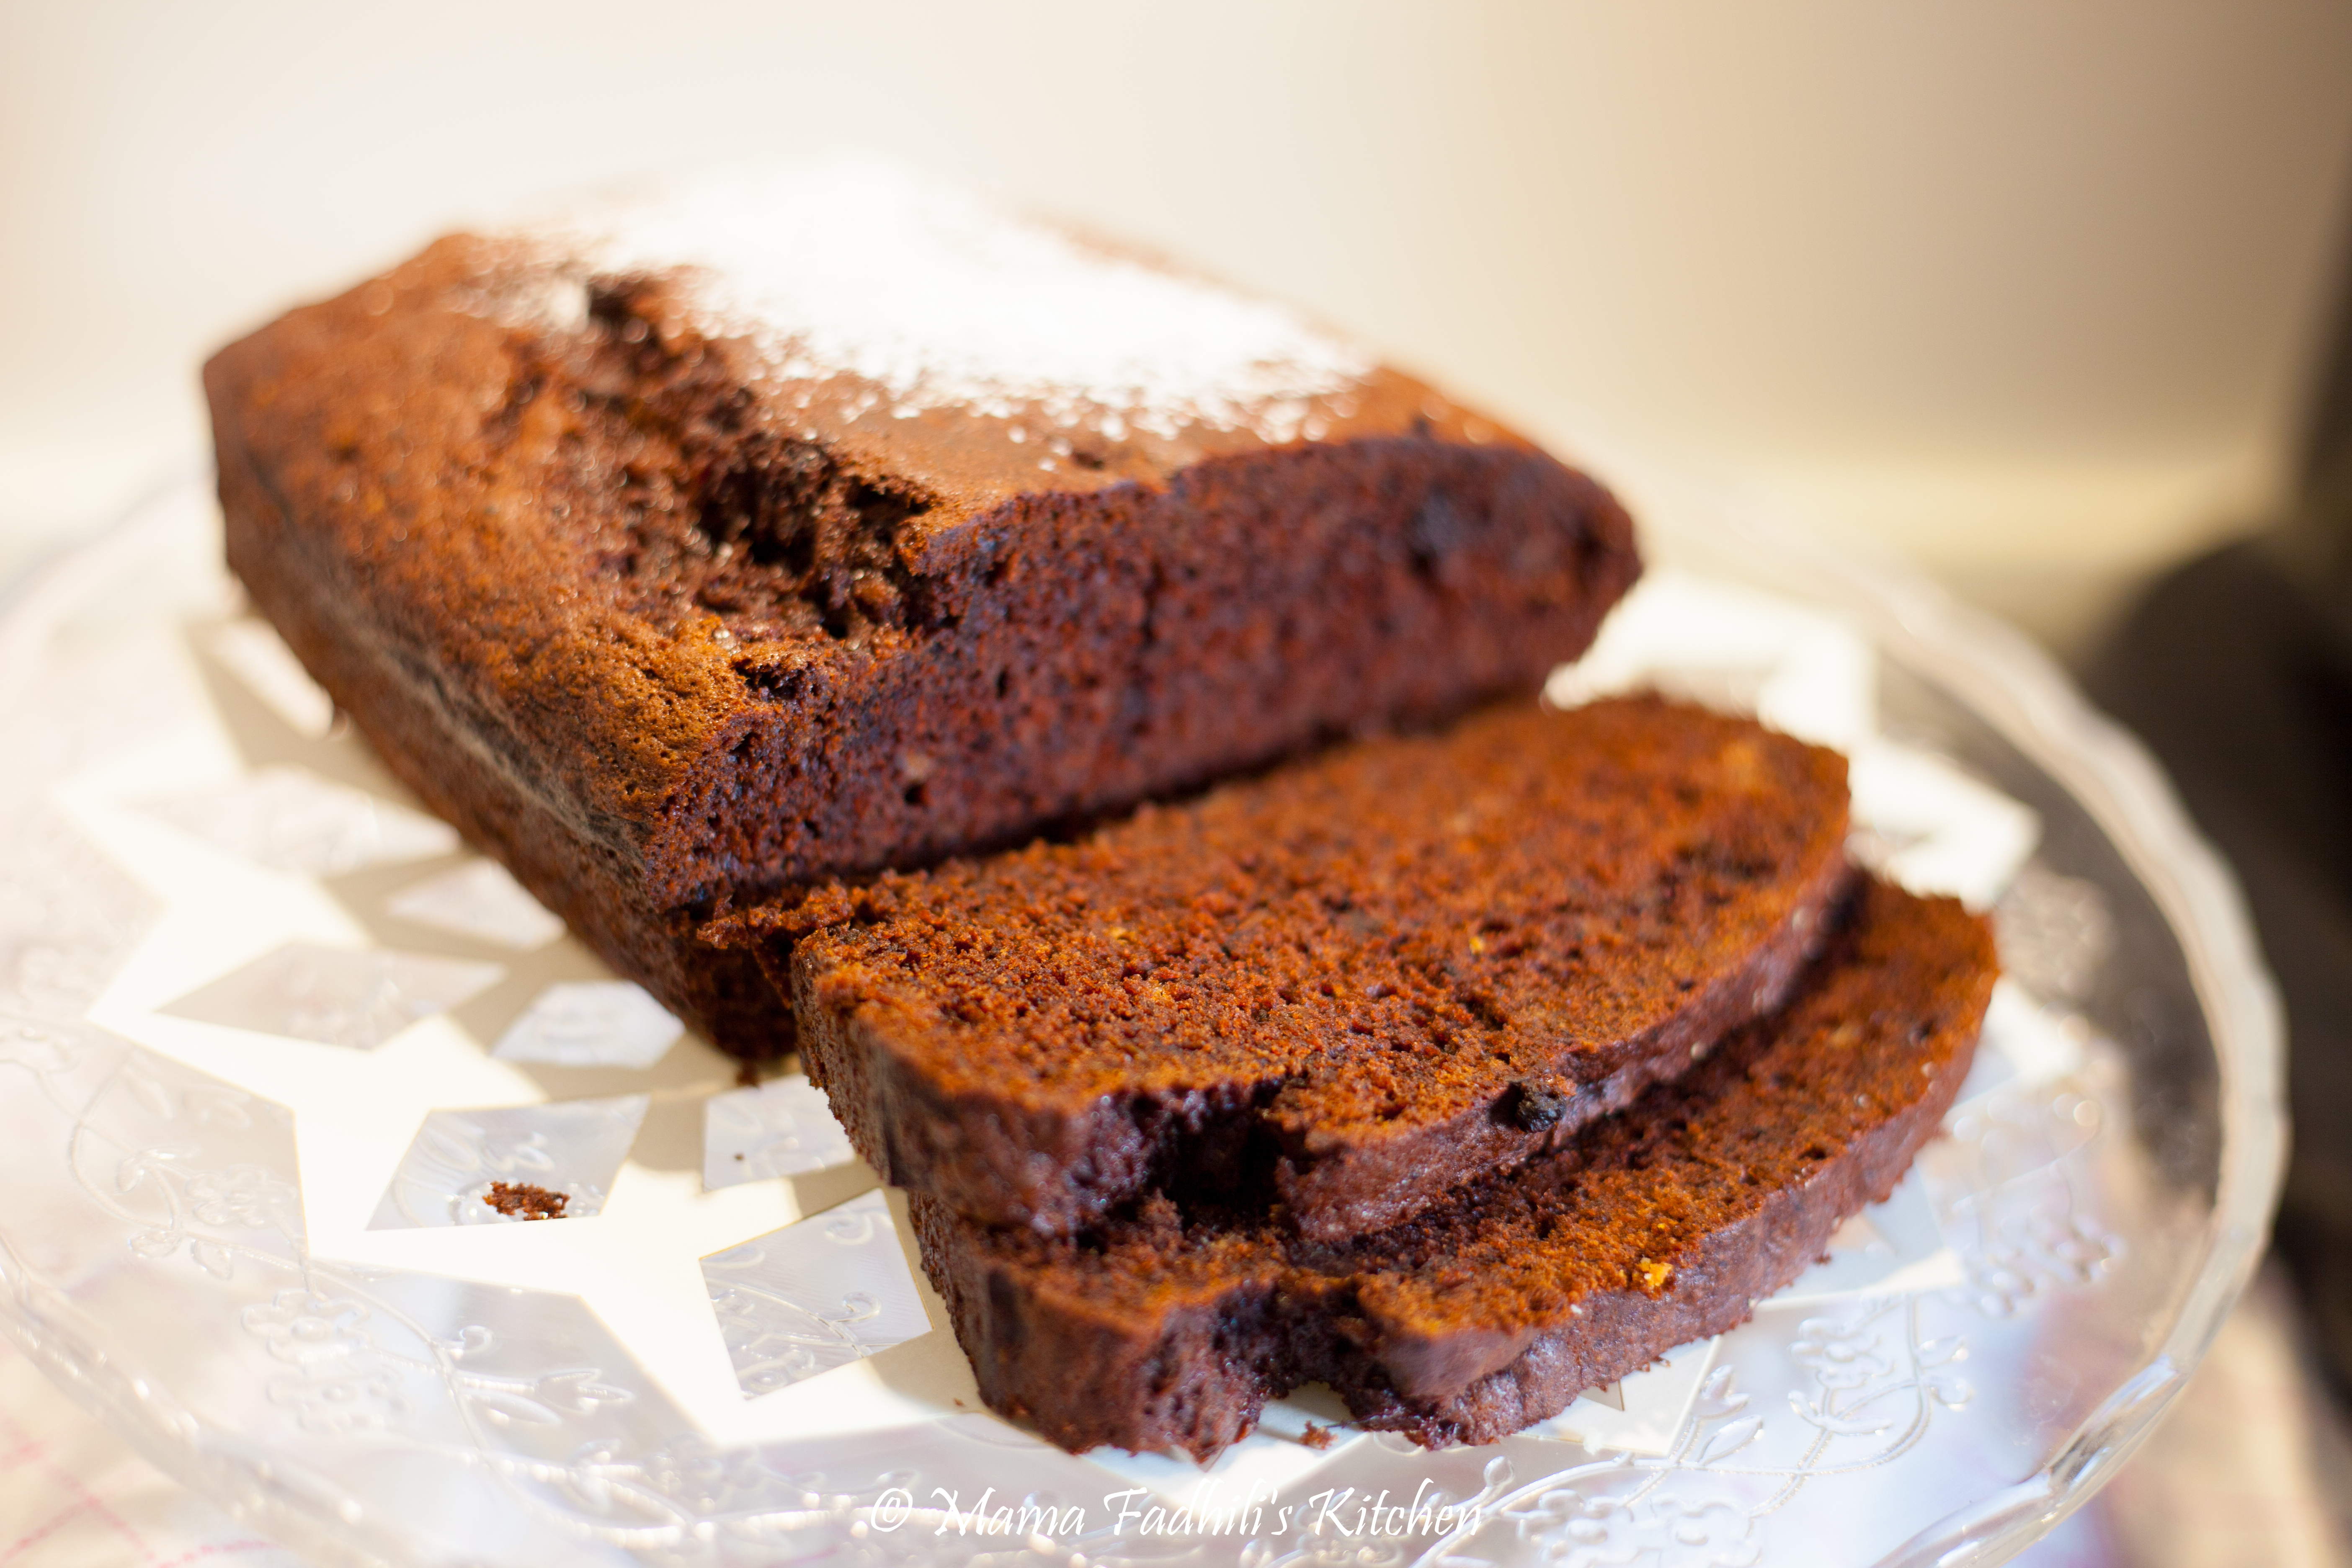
(270, 1040)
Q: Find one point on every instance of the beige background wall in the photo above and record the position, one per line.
(2028, 290)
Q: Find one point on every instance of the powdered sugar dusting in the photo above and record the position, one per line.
(941, 300)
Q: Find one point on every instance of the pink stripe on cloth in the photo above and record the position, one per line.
(73, 1495)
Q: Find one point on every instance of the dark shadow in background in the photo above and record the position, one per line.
(2237, 669)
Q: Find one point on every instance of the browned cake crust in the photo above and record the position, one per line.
(665, 622)
(1367, 977)
(1665, 1223)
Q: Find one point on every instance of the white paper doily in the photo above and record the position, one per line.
(269, 1037)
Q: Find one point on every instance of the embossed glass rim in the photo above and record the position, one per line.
(2005, 681)
(2021, 691)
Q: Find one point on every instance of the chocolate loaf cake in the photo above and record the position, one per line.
(1168, 1329)
(1362, 979)
(689, 549)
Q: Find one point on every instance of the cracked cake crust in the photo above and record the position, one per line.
(668, 623)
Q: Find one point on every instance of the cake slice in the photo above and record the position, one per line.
(693, 547)
(1169, 1329)
(1356, 982)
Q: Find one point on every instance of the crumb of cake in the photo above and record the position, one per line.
(1462, 1325)
(1316, 1436)
(520, 1200)
(1403, 966)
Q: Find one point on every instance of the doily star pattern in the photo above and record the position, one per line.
(288, 1127)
